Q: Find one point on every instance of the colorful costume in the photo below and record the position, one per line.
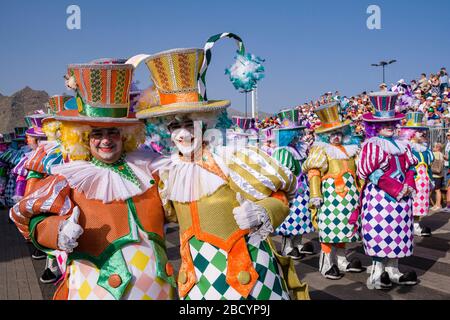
(334, 191)
(218, 196)
(387, 166)
(108, 218)
(423, 175)
(291, 153)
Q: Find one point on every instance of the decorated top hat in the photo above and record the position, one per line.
(57, 103)
(36, 121)
(329, 118)
(244, 123)
(102, 94)
(384, 107)
(176, 75)
(20, 133)
(268, 134)
(414, 120)
(8, 137)
(291, 114)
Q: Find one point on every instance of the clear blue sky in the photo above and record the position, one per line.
(310, 46)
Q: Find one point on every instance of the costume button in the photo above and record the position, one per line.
(114, 280)
(243, 277)
(182, 277)
(152, 181)
(169, 269)
(120, 168)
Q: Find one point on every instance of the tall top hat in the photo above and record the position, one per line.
(414, 120)
(35, 121)
(102, 94)
(19, 133)
(268, 134)
(58, 103)
(176, 75)
(384, 107)
(291, 114)
(244, 123)
(329, 118)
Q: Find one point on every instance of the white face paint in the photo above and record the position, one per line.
(186, 141)
(387, 131)
(336, 138)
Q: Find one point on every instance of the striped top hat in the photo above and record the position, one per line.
(176, 75)
(292, 115)
(329, 118)
(414, 120)
(268, 134)
(36, 121)
(102, 93)
(384, 107)
(19, 133)
(244, 123)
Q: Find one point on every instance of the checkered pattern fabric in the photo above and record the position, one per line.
(298, 221)
(335, 212)
(144, 285)
(421, 202)
(211, 268)
(10, 189)
(387, 225)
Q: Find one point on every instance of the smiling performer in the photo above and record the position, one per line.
(102, 208)
(387, 165)
(226, 201)
(334, 190)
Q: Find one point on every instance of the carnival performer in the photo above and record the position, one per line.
(334, 191)
(387, 165)
(226, 202)
(102, 208)
(416, 132)
(292, 152)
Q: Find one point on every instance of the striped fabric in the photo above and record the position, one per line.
(256, 175)
(371, 159)
(34, 162)
(20, 169)
(285, 157)
(53, 157)
(317, 159)
(51, 196)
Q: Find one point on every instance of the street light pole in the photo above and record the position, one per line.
(383, 64)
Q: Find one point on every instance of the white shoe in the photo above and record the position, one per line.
(379, 278)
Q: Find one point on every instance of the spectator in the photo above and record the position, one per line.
(447, 170)
(435, 85)
(443, 78)
(424, 85)
(437, 168)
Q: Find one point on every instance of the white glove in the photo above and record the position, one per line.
(248, 214)
(70, 231)
(316, 202)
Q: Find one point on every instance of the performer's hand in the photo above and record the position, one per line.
(316, 202)
(70, 231)
(248, 214)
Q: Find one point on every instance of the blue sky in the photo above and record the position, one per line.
(310, 47)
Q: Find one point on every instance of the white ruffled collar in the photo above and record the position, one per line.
(335, 153)
(106, 185)
(418, 147)
(188, 181)
(388, 146)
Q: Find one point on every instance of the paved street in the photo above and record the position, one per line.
(19, 273)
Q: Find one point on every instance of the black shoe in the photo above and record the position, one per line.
(333, 273)
(48, 276)
(426, 232)
(295, 254)
(38, 255)
(355, 266)
(385, 281)
(408, 279)
(307, 248)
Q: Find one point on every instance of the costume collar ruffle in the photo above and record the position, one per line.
(188, 181)
(418, 147)
(335, 153)
(388, 147)
(106, 185)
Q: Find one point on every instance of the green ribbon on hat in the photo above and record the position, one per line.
(97, 112)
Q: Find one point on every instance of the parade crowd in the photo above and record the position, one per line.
(90, 183)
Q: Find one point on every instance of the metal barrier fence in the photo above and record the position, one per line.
(438, 135)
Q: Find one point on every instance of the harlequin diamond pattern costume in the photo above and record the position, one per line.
(416, 133)
(291, 153)
(386, 164)
(334, 191)
(213, 195)
(108, 217)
